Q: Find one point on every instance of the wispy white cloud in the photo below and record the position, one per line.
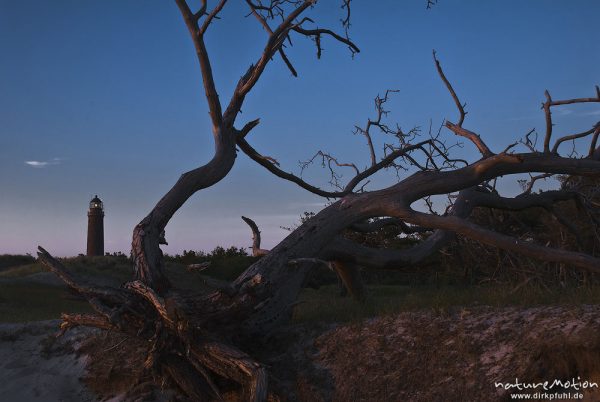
(563, 111)
(43, 164)
(577, 113)
(36, 164)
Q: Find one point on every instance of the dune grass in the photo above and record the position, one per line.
(325, 304)
(88, 267)
(22, 300)
(20, 271)
(103, 270)
(12, 260)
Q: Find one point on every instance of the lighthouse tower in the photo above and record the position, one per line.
(95, 237)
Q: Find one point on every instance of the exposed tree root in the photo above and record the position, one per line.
(182, 351)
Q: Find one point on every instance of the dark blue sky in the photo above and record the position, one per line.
(106, 96)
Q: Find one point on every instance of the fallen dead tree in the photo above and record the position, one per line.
(198, 339)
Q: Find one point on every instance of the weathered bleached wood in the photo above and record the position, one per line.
(349, 274)
(230, 362)
(150, 295)
(198, 267)
(256, 250)
(87, 320)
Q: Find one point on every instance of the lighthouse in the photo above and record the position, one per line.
(95, 237)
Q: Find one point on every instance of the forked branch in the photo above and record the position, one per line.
(458, 128)
(197, 35)
(549, 103)
(274, 44)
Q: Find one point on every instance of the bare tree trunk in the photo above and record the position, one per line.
(147, 256)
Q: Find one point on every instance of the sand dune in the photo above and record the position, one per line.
(36, 366)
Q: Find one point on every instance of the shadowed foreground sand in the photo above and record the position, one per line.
(429, 355)
(35, 366)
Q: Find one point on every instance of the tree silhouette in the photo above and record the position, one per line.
(197, 337)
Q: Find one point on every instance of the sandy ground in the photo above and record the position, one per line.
(453, 355)
(459, 355)
(35, 366)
